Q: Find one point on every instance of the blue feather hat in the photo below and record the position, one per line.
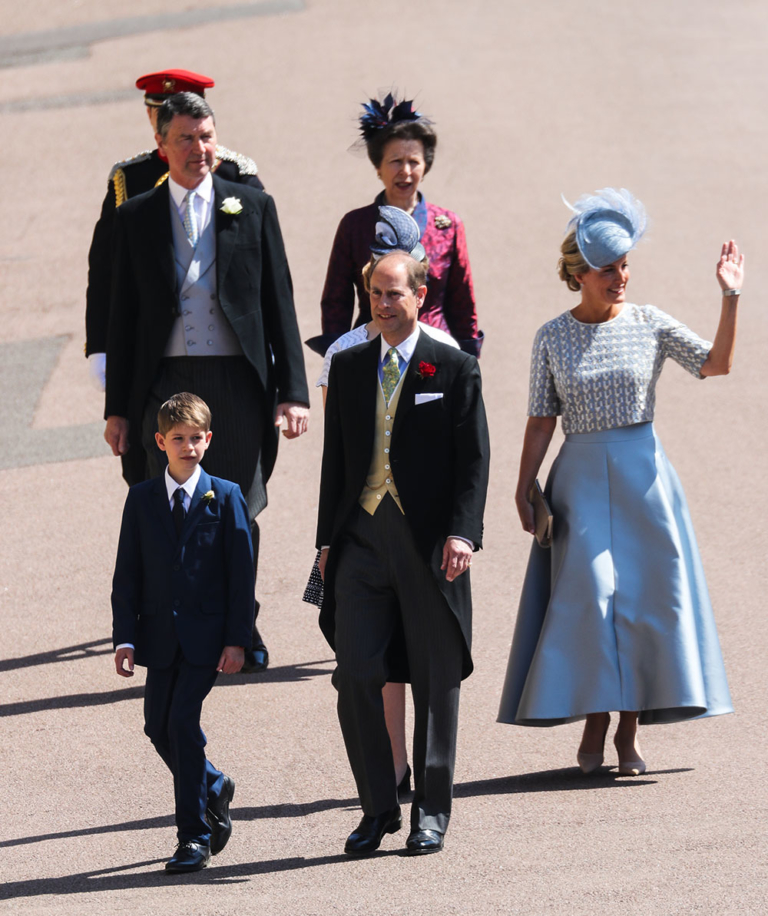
(608, 224)
(397, 230)
(378, 114)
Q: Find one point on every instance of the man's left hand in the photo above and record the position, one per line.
(231, 660)
(457, 558)
(295, 415)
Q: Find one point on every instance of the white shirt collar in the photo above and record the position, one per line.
(178, 193)
(404, 349)
(189, 487)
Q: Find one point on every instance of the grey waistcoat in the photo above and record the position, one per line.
(202, 328)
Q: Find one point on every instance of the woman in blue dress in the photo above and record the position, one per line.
(616, 616)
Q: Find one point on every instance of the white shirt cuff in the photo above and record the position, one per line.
(460, 538)
(125, 645)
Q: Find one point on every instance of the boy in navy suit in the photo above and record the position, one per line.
(183, 606)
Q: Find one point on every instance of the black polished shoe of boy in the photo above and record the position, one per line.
(370, 832)
(189, 856)
(217, 814)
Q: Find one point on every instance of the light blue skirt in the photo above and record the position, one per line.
(616, 614)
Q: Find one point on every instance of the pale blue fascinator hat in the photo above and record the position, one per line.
(608, 224)
(397, 230)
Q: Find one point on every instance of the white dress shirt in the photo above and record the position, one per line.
(203, 202)
(189, 487)
(171, 487)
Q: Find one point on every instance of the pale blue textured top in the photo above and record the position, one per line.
(600, 376)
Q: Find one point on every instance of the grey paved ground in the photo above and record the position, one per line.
(667, 99)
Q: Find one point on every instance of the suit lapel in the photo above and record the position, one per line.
(366, 394)
(227, 229)
(196, 507)
(163, 507)
(160, 234)
(424, 352)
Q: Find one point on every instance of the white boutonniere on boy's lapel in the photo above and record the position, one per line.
(231, 206)
(207, 497)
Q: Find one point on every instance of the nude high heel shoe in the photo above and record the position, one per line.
(591, 762)
(632, 767)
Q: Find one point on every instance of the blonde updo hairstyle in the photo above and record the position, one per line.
(571, 262)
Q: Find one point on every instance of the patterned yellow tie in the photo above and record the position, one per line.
(390, 374)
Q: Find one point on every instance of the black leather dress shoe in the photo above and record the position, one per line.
(218, 817)
(255, 660)
(370, 832)
(423, 842)
(189, 856)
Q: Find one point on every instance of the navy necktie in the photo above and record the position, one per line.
(178, 510)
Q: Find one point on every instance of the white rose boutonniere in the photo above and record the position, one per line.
(231, 206)
(207, 497)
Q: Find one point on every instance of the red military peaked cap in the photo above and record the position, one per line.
(158, 86)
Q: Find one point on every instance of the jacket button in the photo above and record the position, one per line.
(176, 602)
(176, 568)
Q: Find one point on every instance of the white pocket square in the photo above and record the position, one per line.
(426, 398)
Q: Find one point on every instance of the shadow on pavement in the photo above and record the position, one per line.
(151, 823)
(109, 879)
(568, 779)
(69, 654)
(280, 675)
(545, 781)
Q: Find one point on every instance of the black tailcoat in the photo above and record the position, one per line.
(440, 454)
(254, 289)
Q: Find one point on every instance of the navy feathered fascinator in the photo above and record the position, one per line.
(397, 230)
(379, 114)
(608, 224)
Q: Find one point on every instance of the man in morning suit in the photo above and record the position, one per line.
(202, 301)
(128, 178)
(402, 494)
(182, 605)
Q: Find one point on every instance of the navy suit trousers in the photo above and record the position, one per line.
(173, 702)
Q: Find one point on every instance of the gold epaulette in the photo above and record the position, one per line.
(118, 182)
(245, 166)
(117, 175)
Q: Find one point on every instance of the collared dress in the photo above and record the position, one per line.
(616, 615)
(450, 302)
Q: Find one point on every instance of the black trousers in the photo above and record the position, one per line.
(382, 585)
(173, 702)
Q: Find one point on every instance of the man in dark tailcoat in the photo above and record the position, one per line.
(129, 178)
(404, 478)
(202, 302)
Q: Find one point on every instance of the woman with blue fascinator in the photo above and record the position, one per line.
(616, 616)
(400, 143)
(395, 230)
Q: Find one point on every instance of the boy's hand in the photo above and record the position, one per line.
(121, 657)
(231, 660)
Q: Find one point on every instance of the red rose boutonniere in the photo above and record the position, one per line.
(426, 370)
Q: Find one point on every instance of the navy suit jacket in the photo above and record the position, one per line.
(195, 590)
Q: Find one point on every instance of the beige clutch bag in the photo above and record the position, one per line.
(542, 515)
